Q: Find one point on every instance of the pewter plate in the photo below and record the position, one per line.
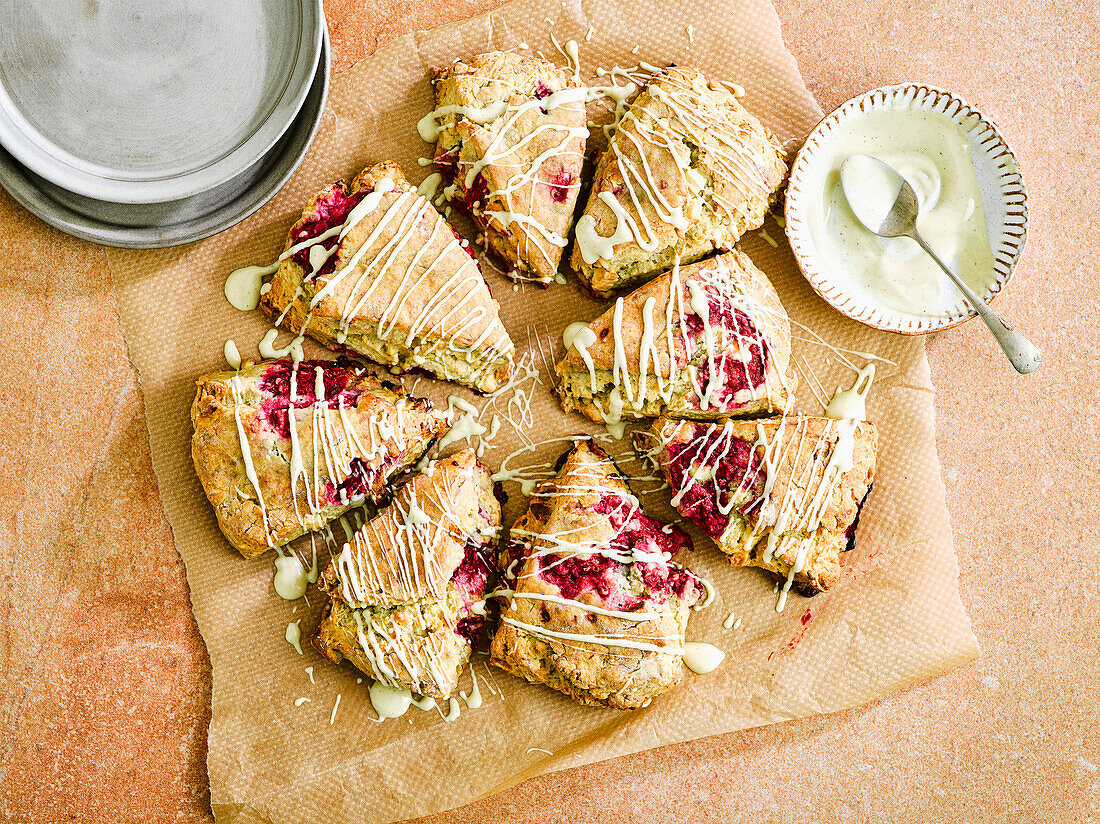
(999, 181)
(139, 102)
(157, 225)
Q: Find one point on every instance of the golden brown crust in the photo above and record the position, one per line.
(400, 289)
(363, 459)
(731, 284)
(734, 167)
(528, 159)
(402, 587)
(587, 508)
(802, 514)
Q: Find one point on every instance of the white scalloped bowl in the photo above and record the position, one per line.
(999, 180)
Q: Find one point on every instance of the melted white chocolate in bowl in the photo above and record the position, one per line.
(933, 153)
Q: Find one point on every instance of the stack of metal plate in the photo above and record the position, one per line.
(143, 124)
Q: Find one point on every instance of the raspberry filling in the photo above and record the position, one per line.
(447, 164)
(850, 532)
(275, 387)
(735, 465)
(478, 193)
(741, 372)
(575, 575)
(477, 198)
(559, 186)
(542, 90)
(331, 210)
(362, 480)
(470, 579)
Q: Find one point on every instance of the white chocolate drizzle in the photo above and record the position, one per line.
(232, 356)
(293, 635)
(502, 150)
(668, 339)
(732, 162)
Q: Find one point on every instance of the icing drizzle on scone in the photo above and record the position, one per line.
(687, 170)
(306, 440)
(784, 501)
(404, 586)
(375, 271)
(513, 162)
(707, 345)
(588, 573)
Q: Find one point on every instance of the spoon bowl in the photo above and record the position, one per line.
(884, 202)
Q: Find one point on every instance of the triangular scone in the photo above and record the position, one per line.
(403, 588)
(783, 494)
(706, 340)
(377, 272)
(269, 482)
(512, 131)
(599, 611)
(687, 171)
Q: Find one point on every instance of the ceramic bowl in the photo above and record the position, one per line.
(999, 181)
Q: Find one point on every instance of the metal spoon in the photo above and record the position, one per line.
(892, 211)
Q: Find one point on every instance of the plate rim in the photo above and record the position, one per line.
(1013, 193)
(14, 180)
(39, 154)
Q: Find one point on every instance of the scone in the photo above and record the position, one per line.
(783, 494)
(511, 136)
(598, 610)
(701, 341)
(375, 271)
(282, 451)
(404, 588)
(687, 171)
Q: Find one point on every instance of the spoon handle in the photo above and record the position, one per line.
(1021, 352)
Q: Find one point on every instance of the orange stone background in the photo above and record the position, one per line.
(105, 682)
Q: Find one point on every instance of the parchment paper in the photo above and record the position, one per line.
(895, 618)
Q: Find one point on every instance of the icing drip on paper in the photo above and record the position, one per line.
(852, 402)
(473, 699)
(232, 356)
(294, 635)
(291, 578)
(242, 287)
(702, 658)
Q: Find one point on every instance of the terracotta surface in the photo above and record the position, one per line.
(105, 685)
